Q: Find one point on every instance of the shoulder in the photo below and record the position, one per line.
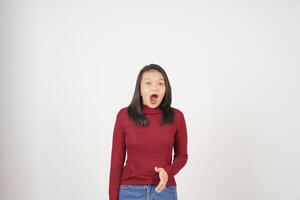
(177, 111)
(122, 112)
(178, 114)
(179, 117)
(121, 116)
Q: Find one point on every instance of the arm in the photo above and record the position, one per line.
(180, 148)
(117, 159)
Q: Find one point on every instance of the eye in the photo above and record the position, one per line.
(147, 83)
(161, 83)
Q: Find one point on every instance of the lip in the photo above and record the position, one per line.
(156, 99)
(154, 94)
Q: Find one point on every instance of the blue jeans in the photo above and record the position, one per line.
(147, 192)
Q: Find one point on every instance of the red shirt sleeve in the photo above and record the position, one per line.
(180, 148)
(118, 153)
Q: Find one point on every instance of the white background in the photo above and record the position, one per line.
(67, 67)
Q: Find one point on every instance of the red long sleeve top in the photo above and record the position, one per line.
(147, 147)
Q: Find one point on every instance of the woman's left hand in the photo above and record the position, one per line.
(163, 176)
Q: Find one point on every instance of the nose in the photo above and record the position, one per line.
(154, 88)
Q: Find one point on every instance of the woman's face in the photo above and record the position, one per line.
(152, 88)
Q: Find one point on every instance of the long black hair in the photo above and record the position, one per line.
(135, 108)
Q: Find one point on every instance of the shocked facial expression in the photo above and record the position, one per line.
(152, 88)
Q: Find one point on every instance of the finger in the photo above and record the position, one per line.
(160, 186)
(158, 189)
(166, 174)
(164, 178)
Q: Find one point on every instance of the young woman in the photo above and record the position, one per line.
(148, 130)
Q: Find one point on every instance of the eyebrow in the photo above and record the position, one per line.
(151, 79)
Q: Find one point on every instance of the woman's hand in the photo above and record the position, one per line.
(163, 176)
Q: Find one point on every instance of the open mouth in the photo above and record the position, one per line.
(153, 98)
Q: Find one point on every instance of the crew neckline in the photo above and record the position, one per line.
(147, 109)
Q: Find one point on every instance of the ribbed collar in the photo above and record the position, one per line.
(147, 109)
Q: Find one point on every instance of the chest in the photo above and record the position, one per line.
(153, 136)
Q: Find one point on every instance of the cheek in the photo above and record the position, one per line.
(163, 91)
(142, 88)
(144, 91)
